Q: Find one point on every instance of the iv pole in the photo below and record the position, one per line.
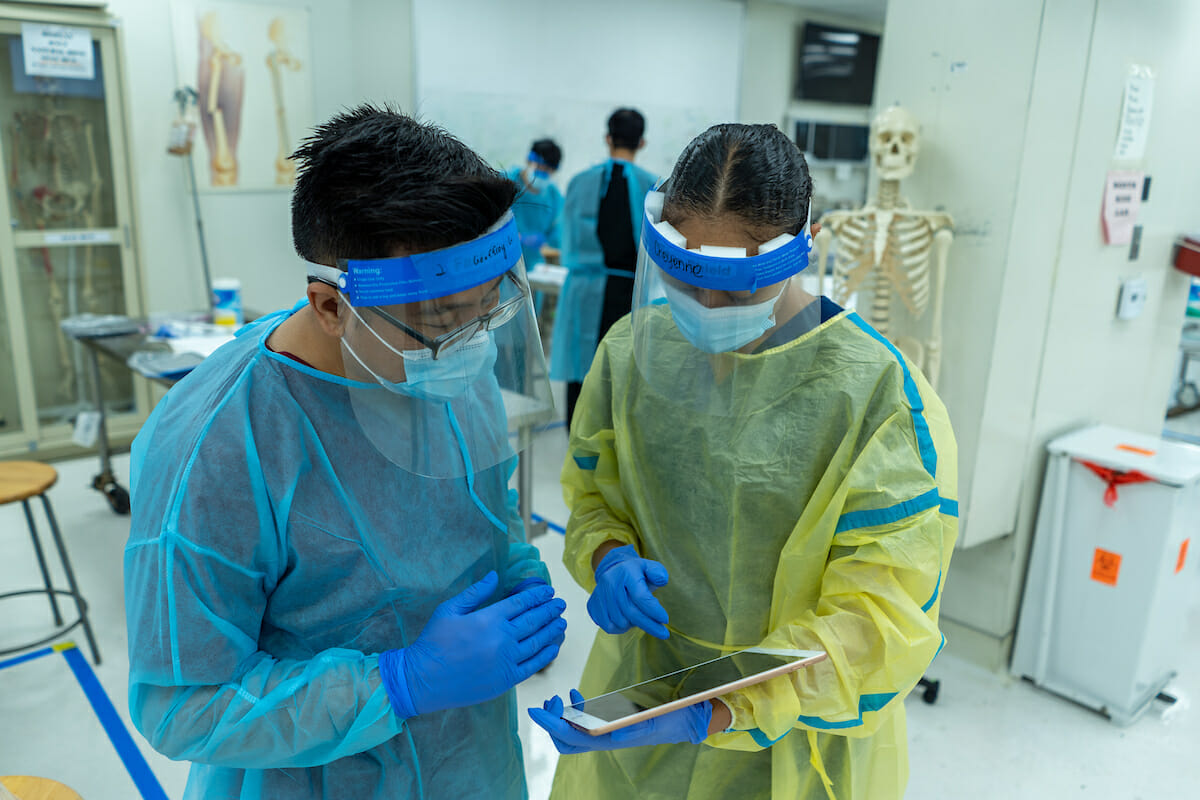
(185, 96)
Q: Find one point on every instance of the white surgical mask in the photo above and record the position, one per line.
(722, 329)
(438, 379)
(450, 375)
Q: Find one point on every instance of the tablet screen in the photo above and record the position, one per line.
(686, 682)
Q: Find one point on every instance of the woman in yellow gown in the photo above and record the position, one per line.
(750, 465)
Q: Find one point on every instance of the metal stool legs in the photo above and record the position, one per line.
(80, 603)
(41, 557)
(66, 562)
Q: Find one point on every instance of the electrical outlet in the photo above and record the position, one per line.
(1132, 298)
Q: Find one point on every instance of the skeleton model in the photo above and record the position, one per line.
(285, 170)
(888, 248)
(222, 80)
(61, 147)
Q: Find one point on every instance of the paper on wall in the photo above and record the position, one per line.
(1122, 200)
(1135, 114)
(58, 51)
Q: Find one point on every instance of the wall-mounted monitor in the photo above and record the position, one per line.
(836, 65)
(826, 141)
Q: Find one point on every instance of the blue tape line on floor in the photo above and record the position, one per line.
(135, 765)
(12, 662)
(549, 524)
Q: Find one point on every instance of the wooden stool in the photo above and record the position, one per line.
(21, 480)
(25, 787)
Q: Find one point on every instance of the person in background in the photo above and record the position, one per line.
(328, 589)
(539, 205)
(602, 219)
(752, 466)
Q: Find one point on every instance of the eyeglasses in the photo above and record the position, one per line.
(451, 340)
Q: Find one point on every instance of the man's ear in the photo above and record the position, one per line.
(325, 303)
(641, 144)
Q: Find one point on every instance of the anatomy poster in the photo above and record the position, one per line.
(251, 67)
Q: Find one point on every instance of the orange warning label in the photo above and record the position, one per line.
(1141, 451)
(1106, 565)
(1182, 556)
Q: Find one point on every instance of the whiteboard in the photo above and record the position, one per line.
(500, 75)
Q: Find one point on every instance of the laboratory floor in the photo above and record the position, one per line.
(988, 736)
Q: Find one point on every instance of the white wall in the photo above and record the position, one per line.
(383, 50)
(1017, 140)
(500, 75)
(360, 50)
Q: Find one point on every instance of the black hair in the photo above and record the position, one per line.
(752, 171)
(626, 126)
(373, 180)
(549, 151)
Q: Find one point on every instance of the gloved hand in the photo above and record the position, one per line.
(685, 725)
(468, 653)
(622, 597)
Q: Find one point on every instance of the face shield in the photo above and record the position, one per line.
(444, 352)
(704, 319)
(541, 169)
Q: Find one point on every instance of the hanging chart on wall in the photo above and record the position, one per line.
(251, 66)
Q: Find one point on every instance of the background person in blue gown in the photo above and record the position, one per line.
(601, 225)
(539, 205)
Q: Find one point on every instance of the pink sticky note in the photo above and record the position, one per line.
(1122, 200)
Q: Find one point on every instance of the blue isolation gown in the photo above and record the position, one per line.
(537, 215)
(577, 320)
(273, 555)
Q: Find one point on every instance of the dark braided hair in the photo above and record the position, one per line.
(751, 171)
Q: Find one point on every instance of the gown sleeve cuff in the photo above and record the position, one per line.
(578, 556)
(391, 670)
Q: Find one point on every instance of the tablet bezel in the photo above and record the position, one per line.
(597, 727)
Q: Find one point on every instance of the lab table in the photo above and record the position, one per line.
(119, 346)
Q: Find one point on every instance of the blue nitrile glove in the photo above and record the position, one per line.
(469, 653)
(622, 598)
(685, 725)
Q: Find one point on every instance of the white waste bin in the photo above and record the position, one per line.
(1107, 593)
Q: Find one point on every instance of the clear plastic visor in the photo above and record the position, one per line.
(707, 321)
(445, 384)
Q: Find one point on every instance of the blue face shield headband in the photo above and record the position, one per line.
(426, 276)
(778, 259)
(540, 167)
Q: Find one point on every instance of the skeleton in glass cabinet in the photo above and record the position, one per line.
(891, 250)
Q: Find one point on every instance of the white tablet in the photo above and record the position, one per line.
(682, 688)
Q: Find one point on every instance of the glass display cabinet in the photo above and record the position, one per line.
(69, 246)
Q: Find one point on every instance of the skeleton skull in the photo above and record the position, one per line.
(894, 143)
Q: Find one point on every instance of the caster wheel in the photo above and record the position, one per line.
(1188, 396)
(930, 695)
(117, 497)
